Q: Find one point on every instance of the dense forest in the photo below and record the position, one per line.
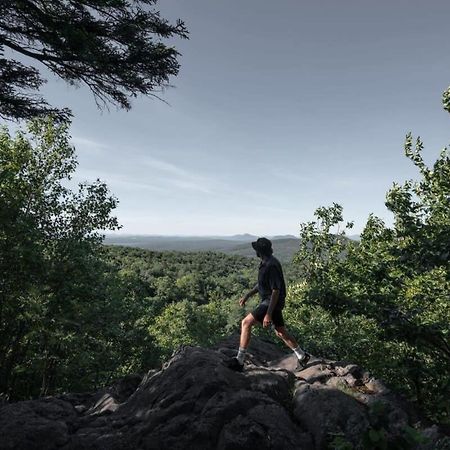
(75, 314)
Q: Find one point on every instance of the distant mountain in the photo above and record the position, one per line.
(284, 236)
(244, 237)
(284, 246)
(173, 243)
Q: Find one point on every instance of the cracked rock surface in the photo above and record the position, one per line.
(196, 402)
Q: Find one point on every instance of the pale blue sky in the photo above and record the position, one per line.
(280, 107)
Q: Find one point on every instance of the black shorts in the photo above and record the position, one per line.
(260, 311)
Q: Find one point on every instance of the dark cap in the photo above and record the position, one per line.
(263, 245)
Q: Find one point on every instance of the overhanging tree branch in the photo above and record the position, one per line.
(114, 48)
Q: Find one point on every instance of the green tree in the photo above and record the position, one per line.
(446, 99)
(52, 291)
(187, 323)
(113, 47)
(397, 278)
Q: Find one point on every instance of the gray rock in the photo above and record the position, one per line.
(326, 411)
(36, 424)
(196, 402)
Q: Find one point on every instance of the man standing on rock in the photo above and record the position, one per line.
(272, 292)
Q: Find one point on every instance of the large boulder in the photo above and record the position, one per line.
(196, 402)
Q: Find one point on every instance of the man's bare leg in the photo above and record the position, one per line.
(289, 340)
(237, 363)
(246, 330)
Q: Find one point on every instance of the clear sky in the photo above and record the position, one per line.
(279, 107)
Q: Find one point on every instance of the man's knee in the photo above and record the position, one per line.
(247, 322)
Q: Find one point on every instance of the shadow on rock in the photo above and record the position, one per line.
(196, 402)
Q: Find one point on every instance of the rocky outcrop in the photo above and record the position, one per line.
(196, 402)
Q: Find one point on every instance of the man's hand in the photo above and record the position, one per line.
(267, 320)
(248, 295)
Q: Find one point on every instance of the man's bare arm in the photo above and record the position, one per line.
(273, 301)
(248, 295)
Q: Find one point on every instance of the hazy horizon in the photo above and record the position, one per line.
(120, 232)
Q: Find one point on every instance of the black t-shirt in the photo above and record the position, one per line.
(270, 276)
